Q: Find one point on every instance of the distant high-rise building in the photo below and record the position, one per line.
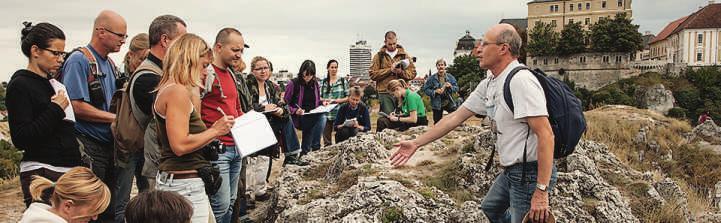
(360, 59)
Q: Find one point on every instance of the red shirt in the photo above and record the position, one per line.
(229, 102)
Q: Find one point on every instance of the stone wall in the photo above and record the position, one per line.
(588, 70)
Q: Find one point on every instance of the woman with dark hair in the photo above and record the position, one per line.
(334, 90)
(303, 95)
(36, 109)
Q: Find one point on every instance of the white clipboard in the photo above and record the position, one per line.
(252, 133)
(321, 109)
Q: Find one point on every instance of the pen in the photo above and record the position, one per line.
(221, 111)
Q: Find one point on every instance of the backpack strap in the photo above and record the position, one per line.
(144, 68)
(94, 68)
(507, 86)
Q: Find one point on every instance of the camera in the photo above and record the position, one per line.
(211, 151)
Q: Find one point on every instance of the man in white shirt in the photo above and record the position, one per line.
(528, 128)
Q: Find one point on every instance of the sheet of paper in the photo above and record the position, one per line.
(321, 109)
(252, 133)
(349, 122)
(57, 86)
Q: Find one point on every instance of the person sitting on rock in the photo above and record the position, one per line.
(703, 117)
(354, 110)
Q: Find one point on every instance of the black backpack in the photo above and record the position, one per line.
(565, 111)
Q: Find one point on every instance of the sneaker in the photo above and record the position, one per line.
(295, 160)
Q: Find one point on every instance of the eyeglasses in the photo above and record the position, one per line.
(484, 44)
(121, 35)
(56, 53)
(261, 68)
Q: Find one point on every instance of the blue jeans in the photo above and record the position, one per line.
(312, 128)
(124, 182)
(290, 138)
(229, 164)
(509, 199)
(192, 189)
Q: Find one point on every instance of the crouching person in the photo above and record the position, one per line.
(352, 117)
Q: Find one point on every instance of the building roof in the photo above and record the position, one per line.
(707, 17)
(466, 42)
(668, 30)
(520, 24)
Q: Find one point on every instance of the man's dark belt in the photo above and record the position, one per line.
(185, 175)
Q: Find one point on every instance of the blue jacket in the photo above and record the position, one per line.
(432, 83)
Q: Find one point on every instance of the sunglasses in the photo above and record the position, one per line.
(56, 53)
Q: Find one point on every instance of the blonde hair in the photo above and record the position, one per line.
(441, 60)
(182, 62)
(257, 59)
(138, 43)
(79, 185)
(392, 85)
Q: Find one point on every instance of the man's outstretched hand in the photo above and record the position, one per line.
(406, 149)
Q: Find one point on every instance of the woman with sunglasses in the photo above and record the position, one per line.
(303, 95)
(36, 109)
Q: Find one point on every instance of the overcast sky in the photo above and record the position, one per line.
(288, 32)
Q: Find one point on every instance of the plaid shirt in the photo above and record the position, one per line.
(337, 90)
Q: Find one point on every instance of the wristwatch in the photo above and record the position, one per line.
(542, 187)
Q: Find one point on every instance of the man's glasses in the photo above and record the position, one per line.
(121, 35)
(56, 53)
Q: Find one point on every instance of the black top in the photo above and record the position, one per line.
(37, 125)
(144, 85)
(308, 97)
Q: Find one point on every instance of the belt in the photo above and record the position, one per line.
(185, 175)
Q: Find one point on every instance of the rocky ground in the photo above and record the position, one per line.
(446, 182)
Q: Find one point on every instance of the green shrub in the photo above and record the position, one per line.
(677, 112)
(9, 160)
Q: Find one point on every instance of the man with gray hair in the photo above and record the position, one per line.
(163, 30)
(527, 126)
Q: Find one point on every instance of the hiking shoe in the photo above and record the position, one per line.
(295, 160)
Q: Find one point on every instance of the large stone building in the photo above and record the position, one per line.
(693, 40)
(562, 12)
(465, 45)
(360, 59)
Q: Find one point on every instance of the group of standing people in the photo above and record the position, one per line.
(184, 95)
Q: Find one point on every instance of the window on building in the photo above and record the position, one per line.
(556, 7)
(582, 59)
(535, 61)
(553, 22)
(570, 21)
(603, 4)
(700, 38)
(580, 6)
(570, 7)
(620, 3)
(545, 61)
(555, 60)
(618, 59)
(699, 56)
(551, 8)
(588, 6)
(605, 59)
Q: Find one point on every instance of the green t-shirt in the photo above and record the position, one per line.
(413, 102)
